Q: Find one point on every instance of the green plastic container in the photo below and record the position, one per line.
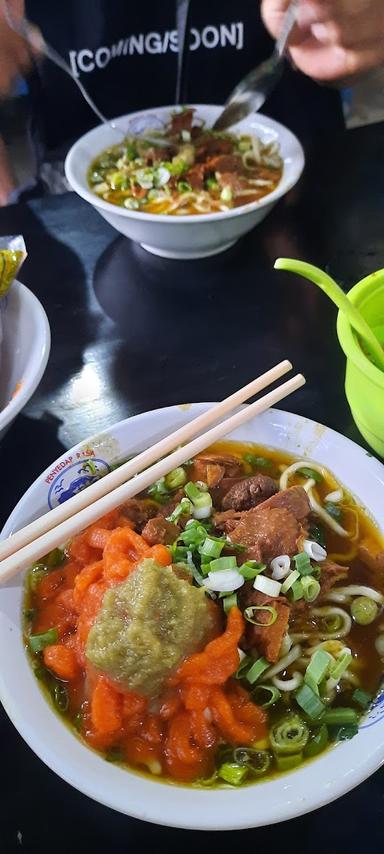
(364, 383)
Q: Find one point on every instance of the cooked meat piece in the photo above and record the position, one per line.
(168, 508)
(232, 465)
(226, 521)
(249, 492)
(158, 530)
(139, 510)
(224, 163)
(213, 145)
(294, 499)
(371, 555)
(181, 121)
(266, 640)
(195, 176)
(330, 574)
(231, 179)
(267, 534)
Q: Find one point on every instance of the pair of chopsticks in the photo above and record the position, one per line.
(61, 524)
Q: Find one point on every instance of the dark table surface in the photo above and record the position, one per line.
(132, 332)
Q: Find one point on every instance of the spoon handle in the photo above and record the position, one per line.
(337, 295)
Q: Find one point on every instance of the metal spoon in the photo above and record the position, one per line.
(251, 93)
(337, 295)
(35, 39)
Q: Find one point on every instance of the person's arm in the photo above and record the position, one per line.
(7, 180)
(335, 40)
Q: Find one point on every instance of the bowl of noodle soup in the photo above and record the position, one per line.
(187, 200)
(323, 776)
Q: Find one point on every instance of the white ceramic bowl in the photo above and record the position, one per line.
(24, 351)
(184, 236)
(300, 791)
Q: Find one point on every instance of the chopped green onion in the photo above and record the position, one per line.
(184, 187)
(159, 491)
(302, 563)
(297, 591)
(286, 763)
(226, 194)
(233, 773)
(265, 695)
(256, 670)
(316, 572)
(364, 610)
(131, 204)
(243, 667)
(309, 702)
(311, 588)
(184, 508)
(290, 580)
(176, 478)
(222, 563)
(250, 569)
(341, 665)
(344, 733)
(289, 735)
(229, 602)
(202, 501)
(317, 742)
(332, 622)
(333, 510)
(312, 473)
(340, 716)
(317, 669)
(211, 547)
(316, 533)
(250, 612)
(257, 462)
(60, 697)
(39, 641)
(194, 534)
(257, 761)
(211, 184)
(362, 698)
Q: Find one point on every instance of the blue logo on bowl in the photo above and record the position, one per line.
(74, 478)
(376, 712)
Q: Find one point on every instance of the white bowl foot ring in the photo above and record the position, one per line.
(180, 256)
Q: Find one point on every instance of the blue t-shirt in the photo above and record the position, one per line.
(126, 55)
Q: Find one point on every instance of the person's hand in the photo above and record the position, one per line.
(334, 40)
(15, 53)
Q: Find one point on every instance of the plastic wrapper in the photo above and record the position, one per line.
(12, 255)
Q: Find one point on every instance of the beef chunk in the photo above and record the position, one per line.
(158, 530)
(211, 468)
(267, 535)
(195, 176)
(294, 499)
(370, 553)
(213, 145)
(224, 163)
(181, 121)
(249, 492)
(331, 573)
(266, 640)
(227, 520)
(139, 510)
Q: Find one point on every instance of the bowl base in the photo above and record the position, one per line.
(180, 256)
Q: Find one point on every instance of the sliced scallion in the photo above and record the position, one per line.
(289, 735)
(341, 665)
(296, 591)
(257, 761)
(362, 698)
(317, 669)
(211, 547)
(39, 641)
(250, 569)
(309, 702)
(342, 715)
(344, 733)
(286, 763)
(252, 611)
(256, 670)
(311, 473)
(311, 588)
(221, 563)
(243, 667)
(290, 579)
(302, 563)
(265, 695)
(317, 742)
(257, 462)
(233, 773)
(176, 478)
(229, 602)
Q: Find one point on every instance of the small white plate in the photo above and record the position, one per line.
(24, 351)
(311, 786)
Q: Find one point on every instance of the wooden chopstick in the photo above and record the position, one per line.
(129, 469)
(67, 529)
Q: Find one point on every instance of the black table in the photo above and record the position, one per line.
(132, 332)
